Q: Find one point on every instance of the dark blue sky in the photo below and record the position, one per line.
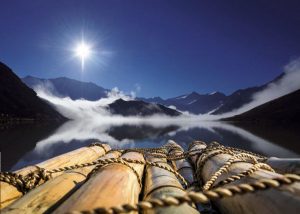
(167, 47)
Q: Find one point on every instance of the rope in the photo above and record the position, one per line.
(121, 161)
(21, 182)
(98, 144)
(225, 167)
(197, 197)
(247, 172)
(30, 181)
(25, 183)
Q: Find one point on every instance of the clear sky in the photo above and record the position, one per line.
(168, 48)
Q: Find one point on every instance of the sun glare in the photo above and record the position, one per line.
(83, 51)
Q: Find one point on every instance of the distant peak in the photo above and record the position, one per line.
(195, 93)
(217, 93)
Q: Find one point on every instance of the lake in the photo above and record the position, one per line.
(26, 144)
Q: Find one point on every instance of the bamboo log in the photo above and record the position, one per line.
(113, 185)
(285, 165)
(48, 196)
(182, 166)
(285, 199)
(160, 183)
(9, 193)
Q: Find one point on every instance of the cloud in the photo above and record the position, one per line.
(137, 89)
(76, 109)
(289, 83)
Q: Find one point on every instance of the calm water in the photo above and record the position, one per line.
(32, 143)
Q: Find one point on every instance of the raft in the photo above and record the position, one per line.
(206, 178)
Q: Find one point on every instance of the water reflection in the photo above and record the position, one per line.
(17, 140)
(37, 144)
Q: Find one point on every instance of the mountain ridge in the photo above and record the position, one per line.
(285, 109)
(139, 108)
(19, 102)
(64, 86)
(194, 102)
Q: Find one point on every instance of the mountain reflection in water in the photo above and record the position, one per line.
(30, 144)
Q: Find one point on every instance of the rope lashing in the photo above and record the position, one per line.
(197, 197)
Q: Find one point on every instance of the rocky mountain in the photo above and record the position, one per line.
(194, 102)
(63, 87)
(237, 99)
(139, 108)
(280, 110)
(214, 103)
(18, 101)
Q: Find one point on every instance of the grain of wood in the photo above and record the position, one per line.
(285, 199)
(112, 185)
(183, 167)
(51, 194)
(162, 183)
(10, 193)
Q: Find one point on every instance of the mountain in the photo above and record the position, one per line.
(194, 102)
(243, 96)
(18, 101)
(198, 103)
(282, 109)
(237, 99)
(64, 86)
(139, 108)
(213, 103)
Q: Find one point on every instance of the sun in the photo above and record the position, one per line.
(83, 51)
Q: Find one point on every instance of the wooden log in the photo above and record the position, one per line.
(285, 165)
(196, 146)
(48, 196)
(113, 185)
(285, 199)
(182, 166)
(160, 183)
(9, 193)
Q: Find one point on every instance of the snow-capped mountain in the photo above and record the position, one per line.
(195, 103)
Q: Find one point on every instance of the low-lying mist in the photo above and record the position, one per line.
(289, 83)
(91, 120)
(95, 110)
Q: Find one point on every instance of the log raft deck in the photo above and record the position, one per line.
(204, 179)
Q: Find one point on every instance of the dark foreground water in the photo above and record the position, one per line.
(26, 144)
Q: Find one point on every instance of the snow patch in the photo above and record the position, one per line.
(181, 97)
(192, 102)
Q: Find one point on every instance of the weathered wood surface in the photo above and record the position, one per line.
(82, 155)
(285, 165)
(160, 183)
(285, 199)
(113, 185)
(182, 166)
(49, 195)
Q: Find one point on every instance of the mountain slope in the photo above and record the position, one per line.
(139, 108)
(214, 103)
(243, 96)
(66, 87)
(19, 101)
(282, 109)
(194, 102)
